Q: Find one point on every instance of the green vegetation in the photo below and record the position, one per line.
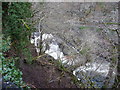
(61, 66)
(84, 50)
(16, 34)
(16, 24)
(83, 27)
(9, 71)
(63, 69)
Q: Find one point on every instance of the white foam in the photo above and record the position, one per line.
(32, 41)
(54, 51)
(46, 36)
(37, 38)
(101, 68)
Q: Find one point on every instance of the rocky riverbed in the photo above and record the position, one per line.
(83, 37)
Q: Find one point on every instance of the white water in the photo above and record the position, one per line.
(92, 69)
(53, 50)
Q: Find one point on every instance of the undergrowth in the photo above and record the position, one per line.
(9, 71)
(16, 31)
(16, 24)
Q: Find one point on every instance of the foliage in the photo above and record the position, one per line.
(84, 50)
(61, 66)
(83, 27)
(14, 14)
(9, 71)
(4, 46)
(16, 35)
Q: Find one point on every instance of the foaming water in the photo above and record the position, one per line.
(96, 72)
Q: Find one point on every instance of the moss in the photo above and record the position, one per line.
(84, 50)
(83, 27)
